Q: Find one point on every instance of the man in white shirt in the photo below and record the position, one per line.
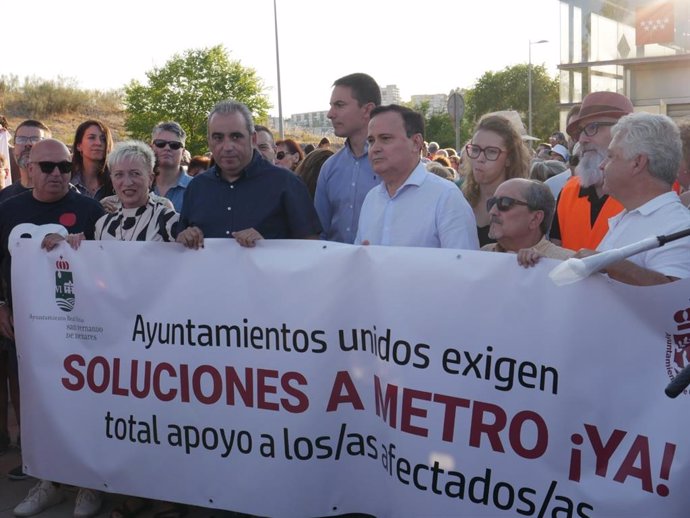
(641, 165)
(411, 207)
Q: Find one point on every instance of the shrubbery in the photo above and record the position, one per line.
(41, 98)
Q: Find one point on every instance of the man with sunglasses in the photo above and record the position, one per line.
(167, 142)
(49, 202)
(520, 214)
(583, 209)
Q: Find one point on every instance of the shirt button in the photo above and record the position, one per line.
(229, 208)
(353, 184)
(232, 186)
(348, 229)
(227, 232)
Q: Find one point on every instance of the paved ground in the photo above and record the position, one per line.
(12, 492)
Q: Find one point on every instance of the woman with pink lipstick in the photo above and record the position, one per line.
(141, 216)
(496, 153)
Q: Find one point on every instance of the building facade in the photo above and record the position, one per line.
(390, 94)
(639, 48)
(438, 103)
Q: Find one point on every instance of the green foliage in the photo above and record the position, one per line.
(439, 128)
(185, 90)
(40, 98)
(508, 90)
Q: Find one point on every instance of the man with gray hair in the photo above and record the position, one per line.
(243, 196)
(639, 170)
(167, 142)
(520, 214)
(432, 149)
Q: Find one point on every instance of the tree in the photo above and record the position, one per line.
(185, 90)
(439, 128)
(508, 90)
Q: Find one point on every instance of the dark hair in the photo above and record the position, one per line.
(259, 127)
(414, 122)
(31, 123)
(324, 142)
(308, 170)
(78, 158)
(308, 149)
(363, 86)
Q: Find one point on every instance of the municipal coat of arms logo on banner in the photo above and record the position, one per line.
(678, 344)
(64, 286)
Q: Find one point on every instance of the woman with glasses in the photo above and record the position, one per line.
(92, 144)
(496, 153)
(289, 154)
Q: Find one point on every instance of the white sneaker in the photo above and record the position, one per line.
(43, 495)
(88, 503)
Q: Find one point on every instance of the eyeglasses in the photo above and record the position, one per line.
(592, 128)
(27, 140)
(280, 155)
(48, 167)
(503, 203)
(172, 144)
(490, 152)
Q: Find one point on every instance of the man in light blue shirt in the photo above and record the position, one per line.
(347, 176)
(411, 207)
(167, 142)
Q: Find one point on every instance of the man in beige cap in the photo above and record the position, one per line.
(583, 210)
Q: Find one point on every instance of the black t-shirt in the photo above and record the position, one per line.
(75, 212)
(12, 190)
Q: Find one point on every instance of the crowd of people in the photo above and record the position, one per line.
(613, 180)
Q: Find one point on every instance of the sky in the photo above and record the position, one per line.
(432, 48)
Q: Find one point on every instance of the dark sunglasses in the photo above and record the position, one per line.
(280, 155)
(503, 203)
(48, 167)
(160, 144)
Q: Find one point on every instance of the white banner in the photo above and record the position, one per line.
(310, 379)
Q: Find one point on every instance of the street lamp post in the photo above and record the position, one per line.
(280, 100)
(529, 85)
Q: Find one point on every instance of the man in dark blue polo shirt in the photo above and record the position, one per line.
(243, 196)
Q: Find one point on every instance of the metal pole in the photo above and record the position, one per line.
(529, 86)
(529, 91)
(280, 100)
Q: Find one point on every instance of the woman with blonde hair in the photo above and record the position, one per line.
(496, 153)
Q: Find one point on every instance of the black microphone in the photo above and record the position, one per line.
(679, 383)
